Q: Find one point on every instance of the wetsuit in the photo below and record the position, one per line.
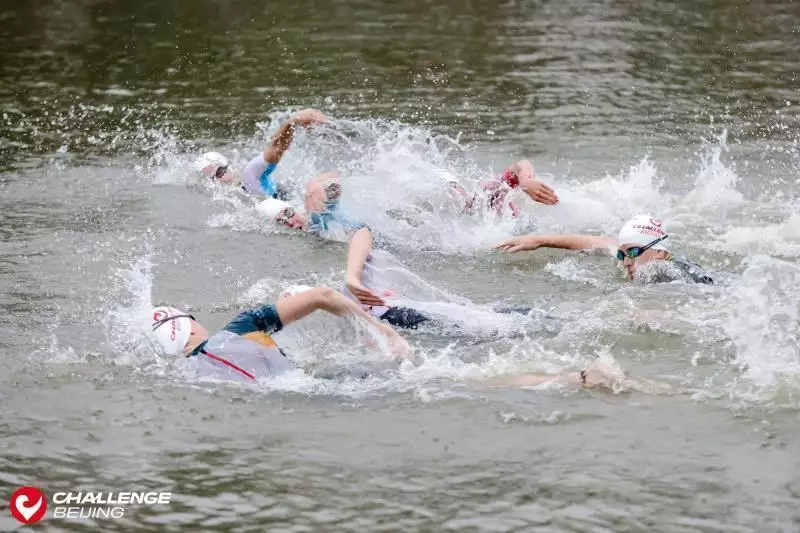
(244, 349)
(257, 178)
(405, 317)
(691, 270)
(332, 218)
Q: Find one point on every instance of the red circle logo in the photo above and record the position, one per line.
(28, 505)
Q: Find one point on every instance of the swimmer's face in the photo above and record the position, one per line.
(196, 336)
(291, 218)
(222, 174)
(631, 264)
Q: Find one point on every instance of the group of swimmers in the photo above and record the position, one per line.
(244, 349)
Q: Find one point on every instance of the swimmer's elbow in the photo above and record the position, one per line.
(331, 301)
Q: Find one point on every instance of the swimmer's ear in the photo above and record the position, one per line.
(333, 191)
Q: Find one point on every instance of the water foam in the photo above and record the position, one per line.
(395, 178)
(764, 326)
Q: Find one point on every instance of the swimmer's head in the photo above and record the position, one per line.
(294, 290)
(282, 213)
(176, 331)
(216, 166)
(641, 240)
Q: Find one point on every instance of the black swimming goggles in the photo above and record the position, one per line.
(220, 172)
(636, 251)
(159, 323)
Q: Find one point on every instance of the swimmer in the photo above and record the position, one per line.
(496, 189)
(361, 287)
(321, 213)
(358, 255)
(256, 176)
(603, 373)
(244, 349)
(641, 241)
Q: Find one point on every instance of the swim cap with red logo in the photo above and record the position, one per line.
(641, 230)
(171, 329)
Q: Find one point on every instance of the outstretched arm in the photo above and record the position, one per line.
(566, 242)
(293, 308)
(283, 137)
(534, 380)
(535, 188)
(357, 254)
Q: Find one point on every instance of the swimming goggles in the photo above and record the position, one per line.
(220, 172)
(159, 323)
(636, 251)
(285, 215)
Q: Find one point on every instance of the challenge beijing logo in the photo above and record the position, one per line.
(28, 505)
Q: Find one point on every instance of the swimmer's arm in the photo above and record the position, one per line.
(534, 380)
(357, 255)
(536, 189)
(283, 137)
(294, 308)
(523, 169)
(565, 242)
(280, 143)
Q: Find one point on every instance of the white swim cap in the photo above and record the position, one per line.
(295, 290)
(210, 159)
(171, 329)
(272, 207)
(641, 230)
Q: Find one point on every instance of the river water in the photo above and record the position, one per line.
(685, 110)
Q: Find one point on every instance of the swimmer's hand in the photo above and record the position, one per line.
(539, 191)
(308, 117)
(518, 244)
(364, 295)
(397, 343)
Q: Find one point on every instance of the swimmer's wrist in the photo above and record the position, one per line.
(511, 178)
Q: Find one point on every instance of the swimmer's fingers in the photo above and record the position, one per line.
(543, 193)
(370, 298)
(366, 297)
(517, 248)
(307, 117)
(399, 346)
(515, 245)
(505, 245)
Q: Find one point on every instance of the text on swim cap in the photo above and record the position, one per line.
(160, 315)
(653, 230)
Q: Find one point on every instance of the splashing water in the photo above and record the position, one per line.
(396, 179)
(127, 325)
(715, 183)
(764, 326)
